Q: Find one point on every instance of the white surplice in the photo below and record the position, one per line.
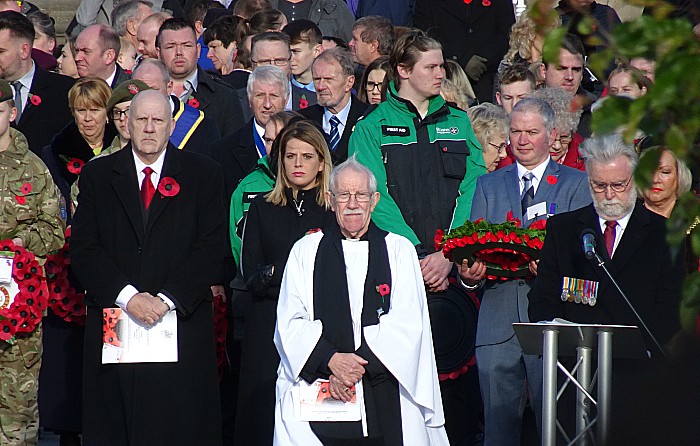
(402, 340)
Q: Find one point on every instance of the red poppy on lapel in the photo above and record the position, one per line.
(75, 165)
(193, 102)
(303, 103)
(168, 187)
(551, 179)
(35, 99)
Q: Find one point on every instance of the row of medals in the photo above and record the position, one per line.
(584, 291)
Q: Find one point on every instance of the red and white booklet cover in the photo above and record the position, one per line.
(127, 340)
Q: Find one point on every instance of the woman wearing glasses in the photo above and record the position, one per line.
(564, 150)
(373, 85)
(490, 124)
(275, 221)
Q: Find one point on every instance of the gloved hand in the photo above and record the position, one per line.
(476, 67)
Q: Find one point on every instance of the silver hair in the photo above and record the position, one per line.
(340, 55)
(352, 165)
(155, 63)
(605, 148)
(488, 121)
(268, 74)
(125, 11)
(536, 105)
(565, 119)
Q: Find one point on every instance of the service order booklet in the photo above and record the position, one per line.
(126, 340)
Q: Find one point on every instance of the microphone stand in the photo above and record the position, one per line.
(601, 263)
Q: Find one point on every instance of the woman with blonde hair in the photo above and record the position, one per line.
(275, 221)
(490, 125)
(670, 180)
(456, 87)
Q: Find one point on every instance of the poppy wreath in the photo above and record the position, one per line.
(64, 300)
(28, 306)
(506, 248)
(220, 333)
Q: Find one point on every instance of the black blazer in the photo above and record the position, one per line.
(119, 77)
(206, 132)
(176, 250)
(357, 110)
(219, 102)
(237, 155)
(642, 265)
(40, 123)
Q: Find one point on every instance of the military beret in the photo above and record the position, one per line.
(126, 92)
(6, 91)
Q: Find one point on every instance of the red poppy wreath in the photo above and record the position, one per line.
(506, 248)
(64, 300)
(27, 308)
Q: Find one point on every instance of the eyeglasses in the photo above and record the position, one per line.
(117, 114)
(278, 62)
(372, 85)
(564, 140)
(360, 197)
(618, 187)
(501, 147)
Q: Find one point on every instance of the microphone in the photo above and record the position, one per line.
(589, 242)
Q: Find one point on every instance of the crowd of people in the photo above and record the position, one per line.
(295, 160)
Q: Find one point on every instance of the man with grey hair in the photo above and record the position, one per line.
(127, 17)
(631, 241)
(165, 211)
(372, 38)
(238, 153)
(339, 326)
(192, 130)
(337, 110)
(535, 188)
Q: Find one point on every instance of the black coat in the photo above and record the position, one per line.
(468, 29)
(237, 155)
(219, 102)
(177, 250)
(201, 139)
(40, 123)
(357, 110)
(270, 233)
(119, 77)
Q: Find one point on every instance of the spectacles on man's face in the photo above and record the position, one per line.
(344, 197)
(500, 147)
(117, 114)
(372, 85)
(619, 186)
(564, 140)
(278, 62)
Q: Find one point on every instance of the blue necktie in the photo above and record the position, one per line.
(528, 193)
(259, 143)
(335, 135)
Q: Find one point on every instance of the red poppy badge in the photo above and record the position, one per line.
(551, 179)
(303, 103)
(20, 199)
(35, 99)
(133, 88)
(168, 187)
(383, 290)
(193, 102)
(26, 188)
(75, 165)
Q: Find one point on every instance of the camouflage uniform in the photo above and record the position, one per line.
(37, 222)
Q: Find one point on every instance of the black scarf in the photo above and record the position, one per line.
(330, 275)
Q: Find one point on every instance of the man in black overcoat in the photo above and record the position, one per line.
(149, 257)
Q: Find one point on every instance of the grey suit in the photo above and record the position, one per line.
(503, 369)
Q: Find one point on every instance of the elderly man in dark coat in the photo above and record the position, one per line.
(151, 251)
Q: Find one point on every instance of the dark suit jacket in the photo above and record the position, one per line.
(642, 265)
(219, 102)
(237, 155)
(206, 132)
(176, 249)
(119, 77)
(40, 123)
(468, 29)
(357, 110)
